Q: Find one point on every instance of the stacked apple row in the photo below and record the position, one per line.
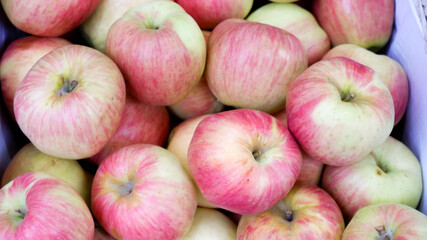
(299, 106)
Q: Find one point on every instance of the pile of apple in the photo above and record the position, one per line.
(281, 121)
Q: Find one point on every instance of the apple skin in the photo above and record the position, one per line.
(48, 18)
(311, 169)
(30, 159)
(161, 51)
(39, 206)
(243, 160)
(400, 223)
(297, 21)
(142, 191)
(389, 174)
(251, 65)
(367, 23)
(95, 28)
(390, 72)
(200, 101)
(339, 111)
(209, 13)
(210, 224)
(101, 234)
(17, 60)
(313, 215)
(140, 123)
(179, 142)
(77, 124)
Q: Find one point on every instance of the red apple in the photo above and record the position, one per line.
(48, 18)
(39, 206)
(297, 21)
(243, 160)
(101, 234)
(17, 60)
(209, 13)
(386, 222)
(140, 123)
(142, 192)
(307, 212)
(367, 23)
(70, 103)
(389, 174)
(160, 50)
(311, 169)
(339, 111)
(251, 65)
(390, 72)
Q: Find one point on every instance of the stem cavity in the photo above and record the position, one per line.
(21, 213)
(67, 86)
(382, 233)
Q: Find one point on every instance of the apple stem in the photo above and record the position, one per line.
(21, 213)
(348, 97)
(288, 215)
(67, 86)
(382, 232)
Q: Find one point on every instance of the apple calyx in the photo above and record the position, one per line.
(347, 97)
(21, 213)
(67, 86)
(126, 188)
(289, 215)
(257, 154)
(383, 235)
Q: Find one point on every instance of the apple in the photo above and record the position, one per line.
(70, 103)
(386, 222)
(210, 224)
(140, 123)
(17, 60)
(179, 142)
(142, 191)
(390, 72)
(30, 159)
(243, 160)
(209, 13)
(160, 50)
(39, 206)
(339, 111)
(297, 21)
(307, 212)
(95, 28)
(311, 169)
(251, 65)
(200, 101)
(389, 174)
(367, 23)
(101, 234)
(48, 18)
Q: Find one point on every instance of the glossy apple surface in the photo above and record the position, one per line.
(243, 160)
(70, 102)
(339, 111)
(17, 60)
(142, 191)
(252, 65)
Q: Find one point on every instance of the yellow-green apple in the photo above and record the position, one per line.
(39, 206)
(243, 160)
(140, 123)
(387, 222)
(251, 65)
(30, 159)
(17, 60)
(307, 212)
(297, 21)
(142, 192)
(95, 28)
(211, 224)
(160, 50)
(311, 169)
(48, 18)
(179, 141)
(209, 13)
(367, 23)
(339, 111)
(70, 103)
(390, 72)
(389, 174)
